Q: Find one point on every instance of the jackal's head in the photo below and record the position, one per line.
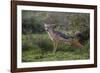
(48, 27)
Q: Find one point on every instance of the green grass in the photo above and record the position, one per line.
(40, 48)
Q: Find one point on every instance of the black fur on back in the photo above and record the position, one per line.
(62, 35)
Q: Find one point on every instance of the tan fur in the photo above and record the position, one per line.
(58, 39)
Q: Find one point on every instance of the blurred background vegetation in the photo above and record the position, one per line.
(36, 44)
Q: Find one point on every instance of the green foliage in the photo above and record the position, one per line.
(37, 46)
(42, 47)
(32, 24)
(33, 21)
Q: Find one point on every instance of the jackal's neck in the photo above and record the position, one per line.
(50, 33)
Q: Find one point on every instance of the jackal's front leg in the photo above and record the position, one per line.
(55, 46)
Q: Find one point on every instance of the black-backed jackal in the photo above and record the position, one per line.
(58, 37)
